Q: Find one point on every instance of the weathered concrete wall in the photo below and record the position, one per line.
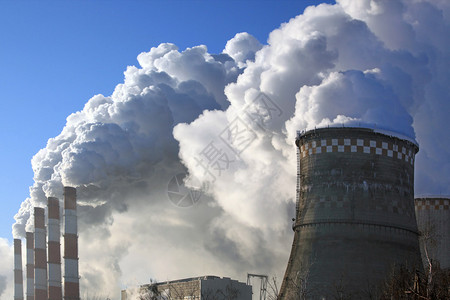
(355, 212)
(181, 290)
(174, 290)
(197, 288)
(224, 289)
(433, 220)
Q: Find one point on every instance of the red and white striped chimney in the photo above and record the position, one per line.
(71, 278)
(54, 250)
(30, 265)
(18, 275)
(40, 255)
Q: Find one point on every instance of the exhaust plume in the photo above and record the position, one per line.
(6, 276)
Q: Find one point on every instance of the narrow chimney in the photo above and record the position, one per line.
(30, 265)
(54, 250)
(40, 255)
(18, 275)
(71, 278)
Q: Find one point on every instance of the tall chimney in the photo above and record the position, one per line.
(54, 251)
(71, 279)
(30, 265)
(40, 255)
(18, 275)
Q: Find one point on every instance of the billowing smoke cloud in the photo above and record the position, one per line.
(117, 141)
(6, 274)
(2, 284)
(326, 67)
(230, 121)
(420, 33)
(334, 65)
(120, 153)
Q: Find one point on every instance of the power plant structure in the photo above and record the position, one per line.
(356, 218)
(54, 250)
(199, 288)
(71, 277)
(40, 255)
(354, 213)
(18, 274)
(39, 264)
(433, 217)
(30, 265)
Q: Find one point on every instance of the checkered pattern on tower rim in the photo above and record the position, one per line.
(432, 204)
(335, 202)
(357, 146)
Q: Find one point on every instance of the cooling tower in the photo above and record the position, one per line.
(30, 265)
(54, 250)
(40, 255)
(433, 220)
(71, 279)
(18, 275)
(354, 215)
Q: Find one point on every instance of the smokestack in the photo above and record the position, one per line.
(30, 265)
(18, 275)
(71, 279)
(54, 251)
(40, 255)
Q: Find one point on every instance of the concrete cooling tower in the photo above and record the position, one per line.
(433, 220)
(354, 215)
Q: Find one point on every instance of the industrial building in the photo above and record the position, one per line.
(197, 288)
(354, 214)
(433, 217)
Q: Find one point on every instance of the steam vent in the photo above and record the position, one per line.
(354, 215)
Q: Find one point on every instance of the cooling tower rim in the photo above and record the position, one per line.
(383, 132)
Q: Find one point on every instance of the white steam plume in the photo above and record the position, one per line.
(334, 65)
(6, 274)
(120, 153)
(117, 140)
(234, 118)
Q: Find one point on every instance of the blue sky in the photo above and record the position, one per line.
(55, 55)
